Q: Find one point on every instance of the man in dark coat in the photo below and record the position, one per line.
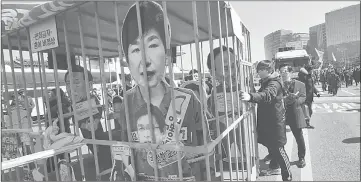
(356, 75)
(305, 77)
(346, 77)
(295, 118)
(271, 124)
(334, 81)
(323, 80)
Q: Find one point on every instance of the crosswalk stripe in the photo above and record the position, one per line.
(348, 92)
(306, 172)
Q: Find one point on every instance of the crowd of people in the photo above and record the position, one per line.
(332, 79)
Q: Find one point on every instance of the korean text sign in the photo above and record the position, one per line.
(44, 35)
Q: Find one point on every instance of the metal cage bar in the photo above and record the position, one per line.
(214, 85)
(36, 99)
(7, 103)
(75, 118)
(200, 75)
(87, 88)
(60, 108)
(242, 125)
(147, 98)
(49, 115)
(239, 110)
(231, 90)
(105, 95)
(121, 58)
(224, 92)
(16, 95)
(170, 66)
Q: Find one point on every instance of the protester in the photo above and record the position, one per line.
(53, 103)
(356, 75)
(271, 124)
(22, 106)
(346, 77)
(154, 37)
(295, 98)
(209, 85)
(230, 78)
(193, 74)
(305, 77)
(334, 81)
(85, 124)
(323, 80)
(349, 73)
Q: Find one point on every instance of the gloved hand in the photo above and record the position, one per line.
(55, 140)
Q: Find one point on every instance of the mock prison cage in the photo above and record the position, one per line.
(42, 45)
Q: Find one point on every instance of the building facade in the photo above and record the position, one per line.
(298, 41)
(317, 40)
(284, 38)
(275, 40)
(343, 34)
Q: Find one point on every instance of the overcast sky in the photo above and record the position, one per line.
(264, 17)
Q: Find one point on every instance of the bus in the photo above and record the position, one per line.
(294, 58)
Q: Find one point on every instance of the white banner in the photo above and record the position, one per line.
(44, 35)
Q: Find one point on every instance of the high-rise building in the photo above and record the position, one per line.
(343, 34)
(298, 41)
(275, 40)
(317, 40)
(284, 38)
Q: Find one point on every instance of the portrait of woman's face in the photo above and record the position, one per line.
(144, 130)
(155, 59)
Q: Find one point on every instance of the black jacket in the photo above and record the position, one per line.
(271, 124)
(310, 86)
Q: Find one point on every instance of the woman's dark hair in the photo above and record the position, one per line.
(193, 71)
(151, 14)
(216, 52)
(79, 69)
(265, 65)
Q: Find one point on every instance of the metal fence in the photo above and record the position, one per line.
(228, 153)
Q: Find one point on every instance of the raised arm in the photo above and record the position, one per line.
(268, 94)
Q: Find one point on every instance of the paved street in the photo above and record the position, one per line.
(333, 147)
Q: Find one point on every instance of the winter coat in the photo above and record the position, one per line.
(271, 124)
(323, 77)
(334, 80)
(356, 75)
(306, 78)
(294, 112)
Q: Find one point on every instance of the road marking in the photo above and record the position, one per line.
(348, 92)
(347, 105)
(288, 148)
(306, 172)
(335, 107)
